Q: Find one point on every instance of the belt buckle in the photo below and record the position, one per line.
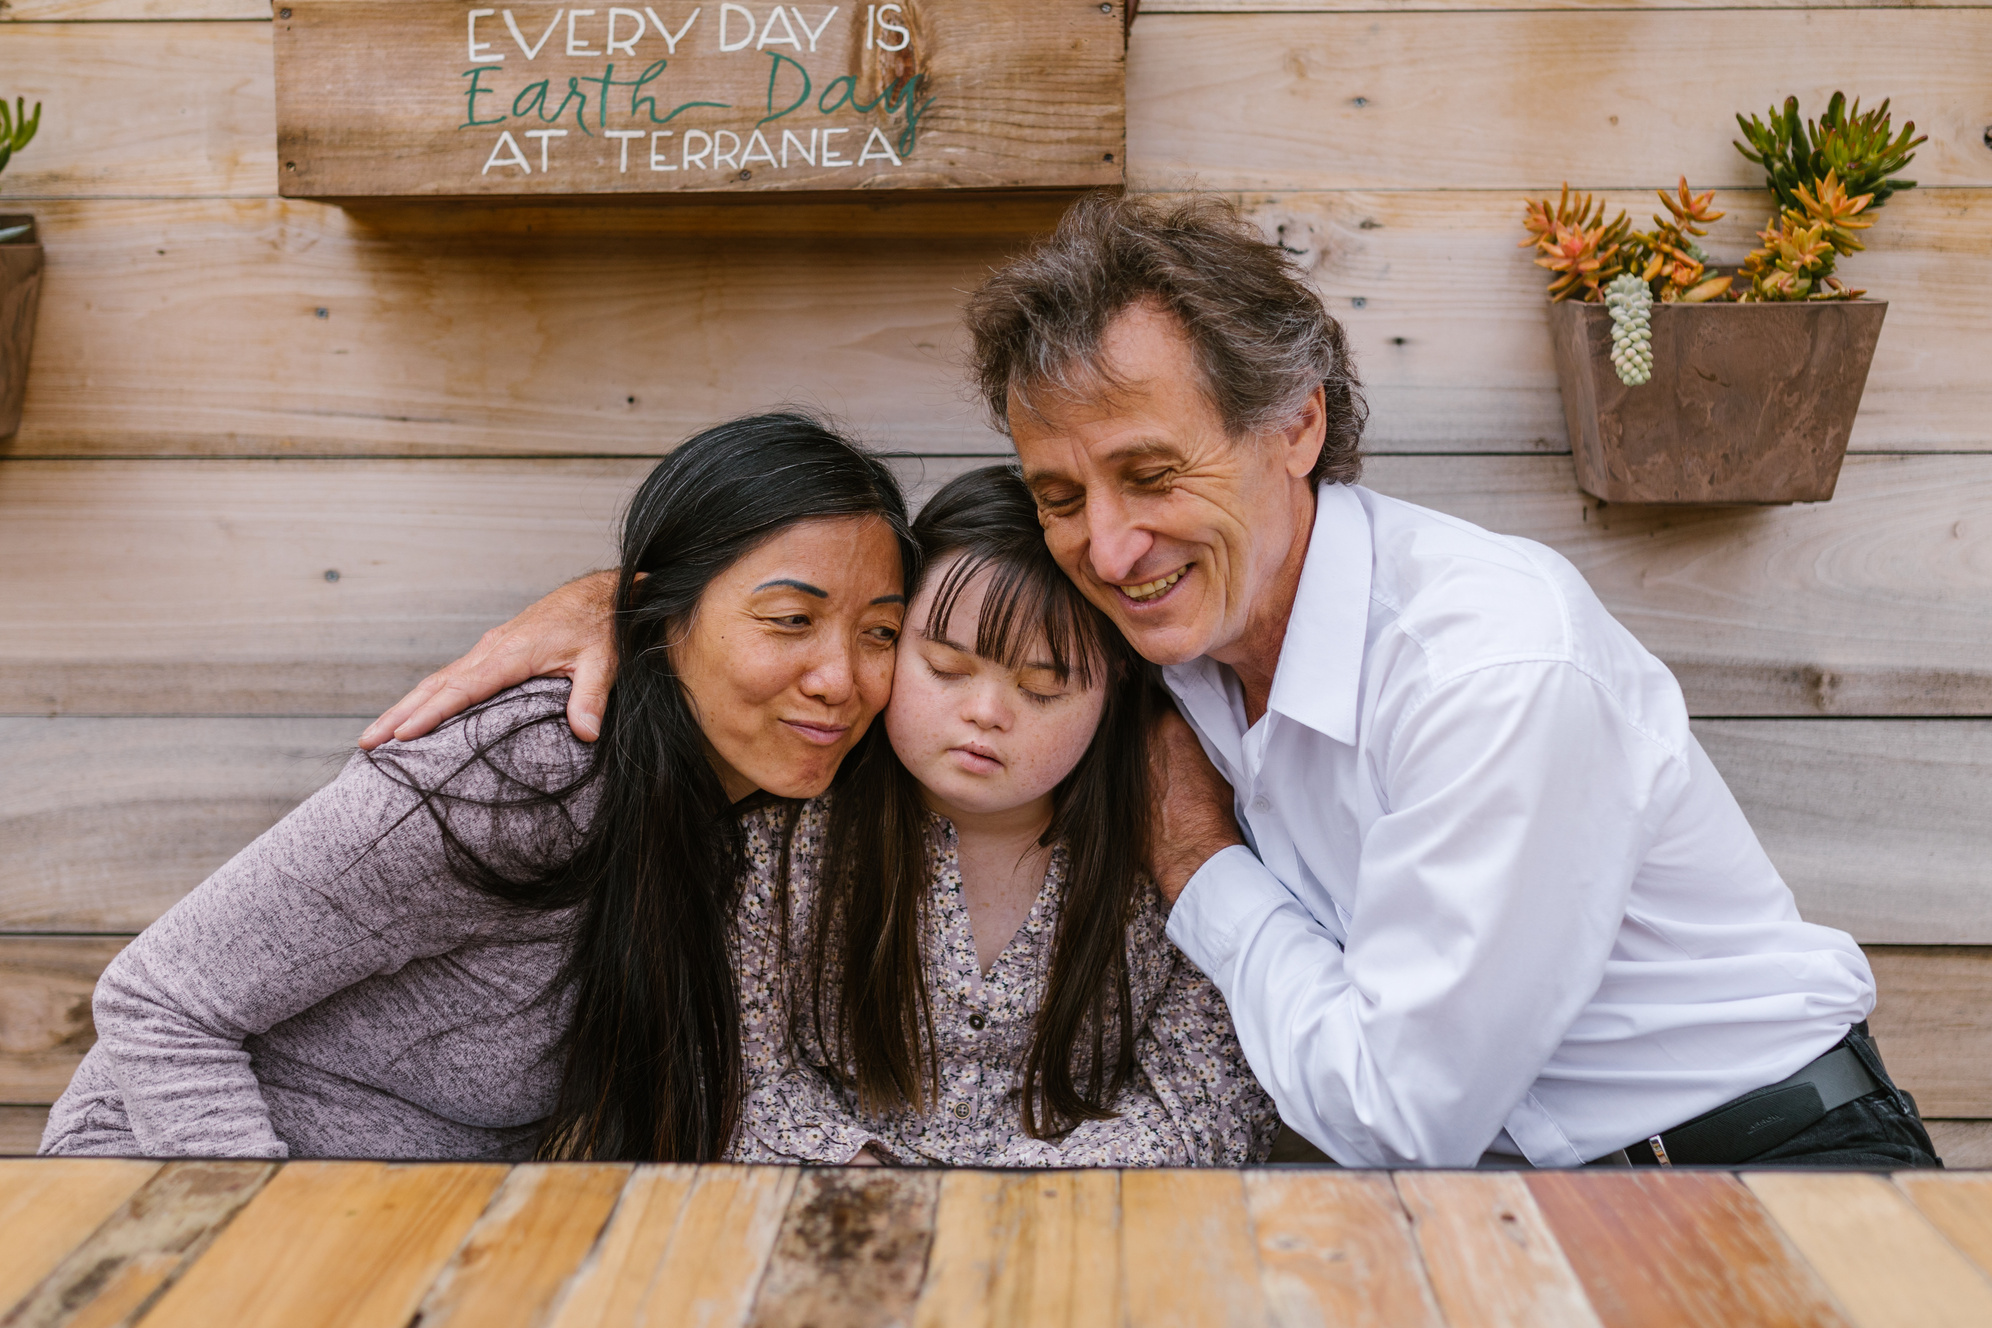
(1659, 1151)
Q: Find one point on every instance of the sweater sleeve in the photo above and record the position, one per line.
(356, 882)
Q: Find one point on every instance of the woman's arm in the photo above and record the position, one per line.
(353, 883)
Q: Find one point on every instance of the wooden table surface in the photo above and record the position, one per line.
(200, 1244)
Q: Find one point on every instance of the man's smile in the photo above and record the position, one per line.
(1148, 591)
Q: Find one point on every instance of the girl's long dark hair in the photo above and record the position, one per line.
(653, 1065)
(868, 993)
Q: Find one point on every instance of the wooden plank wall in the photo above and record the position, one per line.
(280, 458)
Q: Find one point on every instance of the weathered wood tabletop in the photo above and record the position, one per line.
(103, 1243)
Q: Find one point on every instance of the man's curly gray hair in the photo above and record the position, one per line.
(1261, 337)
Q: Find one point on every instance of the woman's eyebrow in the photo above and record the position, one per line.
(803, 586)
(890, 599)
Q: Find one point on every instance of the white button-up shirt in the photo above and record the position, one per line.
(1500, 897)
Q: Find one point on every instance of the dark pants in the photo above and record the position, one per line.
(1878, 1132)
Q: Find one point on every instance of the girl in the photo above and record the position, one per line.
(496, 940)
(955, 958)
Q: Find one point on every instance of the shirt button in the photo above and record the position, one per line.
(977, 1022)
(1260, 804)
(960, 1110)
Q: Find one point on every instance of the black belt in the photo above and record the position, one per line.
(1758, 1121)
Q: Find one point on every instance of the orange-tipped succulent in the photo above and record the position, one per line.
(1668, 254)
(1800, 246)
(1574, 241)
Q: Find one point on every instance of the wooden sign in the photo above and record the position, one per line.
(443, 98)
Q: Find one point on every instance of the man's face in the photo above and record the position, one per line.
(1177, 530)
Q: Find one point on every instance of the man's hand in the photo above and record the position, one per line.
(564, 635)
(1192, 821)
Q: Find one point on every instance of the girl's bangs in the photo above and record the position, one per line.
(1027, 608)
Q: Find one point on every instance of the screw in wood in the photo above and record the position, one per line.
(331, 574)
(1110, 156)
(283, 13)
(1106, 9)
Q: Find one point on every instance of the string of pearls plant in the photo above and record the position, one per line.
(1631, 304)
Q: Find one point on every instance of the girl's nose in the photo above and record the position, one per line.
(987, 705)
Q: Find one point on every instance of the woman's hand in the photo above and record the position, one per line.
(563, 635)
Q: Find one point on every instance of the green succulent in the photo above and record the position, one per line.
(1860, 149)
(17, 128)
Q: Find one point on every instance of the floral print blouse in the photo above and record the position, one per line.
(1192, 1100)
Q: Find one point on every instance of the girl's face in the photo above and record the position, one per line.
(789, 658)
(980, 736)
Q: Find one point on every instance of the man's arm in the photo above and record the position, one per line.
(562, 635)
(1487, 899)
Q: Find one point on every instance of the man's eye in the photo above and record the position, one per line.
(1057, 502)
(1152, 479)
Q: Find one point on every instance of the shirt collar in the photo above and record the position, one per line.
(1319, 677)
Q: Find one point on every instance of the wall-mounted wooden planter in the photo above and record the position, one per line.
(439, 99)
(1749, 403)
(20, 293)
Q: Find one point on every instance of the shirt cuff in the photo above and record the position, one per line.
(1223, 904)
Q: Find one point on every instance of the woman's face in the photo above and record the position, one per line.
(979, 736)
(789, 657)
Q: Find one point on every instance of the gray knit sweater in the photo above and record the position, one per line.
(334, 991)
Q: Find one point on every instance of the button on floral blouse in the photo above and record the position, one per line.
(1192, 1100)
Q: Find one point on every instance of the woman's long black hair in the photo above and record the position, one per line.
(653, 1066)
(868, 997)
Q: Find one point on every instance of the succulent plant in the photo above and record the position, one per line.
(17, 128)
(1667, 258)
(1856, 148)
(1801, 244)
(1631, 303)
(1574, 241)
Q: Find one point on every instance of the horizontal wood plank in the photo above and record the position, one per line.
(509, 1270)
(1450, 327)
(195, 327)
(1933, 1022)
(144, 109)
(126, 11)
(1873, 823)
(109, 821)
(1528, 99)
(45, 1024)
(1876, 603)
(201, 587)
(21, 1130)
(1878, 826)
(286, 327)
(1490, 1254)
(1962, 1143)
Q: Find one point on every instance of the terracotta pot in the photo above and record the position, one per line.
(20, 292)
(1749, 403)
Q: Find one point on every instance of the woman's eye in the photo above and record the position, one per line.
(796, 620)
(884, 635)
(943, 674)
(1042, 698)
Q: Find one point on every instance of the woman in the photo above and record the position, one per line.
(955, 958)
(496, 941)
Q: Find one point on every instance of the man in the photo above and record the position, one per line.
(1473, 890)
